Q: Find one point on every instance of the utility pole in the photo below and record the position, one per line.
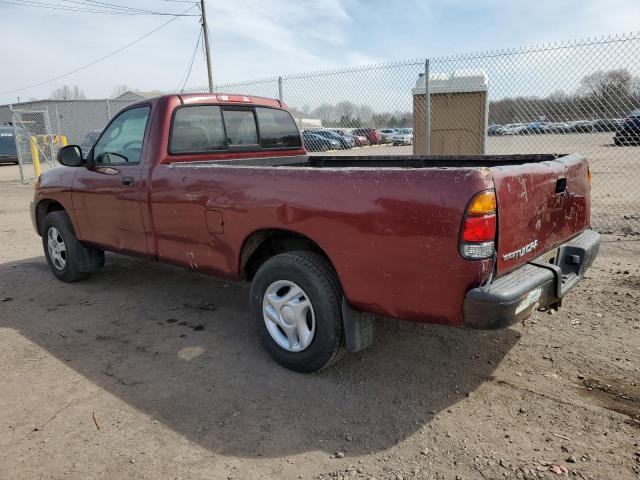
(205, 29)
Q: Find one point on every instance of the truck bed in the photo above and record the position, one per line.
(386, 161)
(543, 199)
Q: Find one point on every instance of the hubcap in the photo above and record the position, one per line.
(57, 248)
(288, 315)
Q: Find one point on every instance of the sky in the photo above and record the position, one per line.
(253, 39)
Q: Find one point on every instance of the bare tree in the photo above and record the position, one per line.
(66, 92)
(119, 90)
(606, 88)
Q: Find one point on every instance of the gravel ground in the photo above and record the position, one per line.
(149, 371)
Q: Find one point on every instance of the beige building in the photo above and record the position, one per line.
(459, 112)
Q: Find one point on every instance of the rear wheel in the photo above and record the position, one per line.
(296, 302)
(68, 259)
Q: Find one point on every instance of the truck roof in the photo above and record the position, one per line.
(221, 99)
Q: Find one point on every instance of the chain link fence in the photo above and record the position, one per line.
(559, 98)
(581, 96)
(35, 145)
(48, 125)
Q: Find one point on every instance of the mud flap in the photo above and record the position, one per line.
(359, 327)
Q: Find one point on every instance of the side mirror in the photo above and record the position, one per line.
(71, 156)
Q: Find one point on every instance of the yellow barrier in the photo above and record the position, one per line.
(35, 156)
(63, 140)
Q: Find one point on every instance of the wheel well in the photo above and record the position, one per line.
(44, 208)
(264, 244)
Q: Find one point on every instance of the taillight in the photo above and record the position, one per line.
(589, 175)
(478, 234)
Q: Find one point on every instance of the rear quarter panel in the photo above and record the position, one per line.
(392, 234)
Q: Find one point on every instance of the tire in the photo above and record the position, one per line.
(70, 261)
(320, 288)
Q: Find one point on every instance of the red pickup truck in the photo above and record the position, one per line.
(220, 184)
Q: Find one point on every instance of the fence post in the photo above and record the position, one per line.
(108, 110)
(17, 140)
(47, 127)
(35, 156)
(427, 108)
(280, 89)
(58, 120)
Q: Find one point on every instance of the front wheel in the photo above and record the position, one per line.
(68, 259)
(296, 302)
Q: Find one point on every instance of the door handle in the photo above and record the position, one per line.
(127, 181)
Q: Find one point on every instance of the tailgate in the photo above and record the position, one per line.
(540, 206)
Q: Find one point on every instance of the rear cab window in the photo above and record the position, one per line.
(277, 129)
(216, 128)
(197, 129)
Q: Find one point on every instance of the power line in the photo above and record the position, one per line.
(94, 8)
(101, 58)
(115, 6)
(193, 57)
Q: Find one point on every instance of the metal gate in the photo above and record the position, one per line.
(35, 145)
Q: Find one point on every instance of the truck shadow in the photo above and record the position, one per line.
(182, 349)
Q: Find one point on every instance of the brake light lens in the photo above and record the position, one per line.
(479, 229)
(477, 237)
(234, 98)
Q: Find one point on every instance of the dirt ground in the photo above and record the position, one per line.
(149, 371)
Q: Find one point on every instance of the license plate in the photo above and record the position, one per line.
(532, 297)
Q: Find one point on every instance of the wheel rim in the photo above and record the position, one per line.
(57, 248)
(288, 315)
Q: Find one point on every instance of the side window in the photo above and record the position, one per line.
(241, 128)
(121, 143)
(197, 129)
(277, 129)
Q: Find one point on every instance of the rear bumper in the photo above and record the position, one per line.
(513, 298)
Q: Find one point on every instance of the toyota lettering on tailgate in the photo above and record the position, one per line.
(521, 252)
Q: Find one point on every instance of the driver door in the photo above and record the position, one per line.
(107, 194)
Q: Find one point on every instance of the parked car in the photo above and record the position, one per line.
(8, 150)
(372, 134)
(581, 126)
(605, 125)
(360, 140)
(558, 127)
(344, 141)
(403, 136)
(221, 185)
(494, 130)
(387, 134)
(536, 128)
(629, 132)
(513, 129)
(318, 143)
(350, 139)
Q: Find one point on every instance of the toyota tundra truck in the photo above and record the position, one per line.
(221, 185)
